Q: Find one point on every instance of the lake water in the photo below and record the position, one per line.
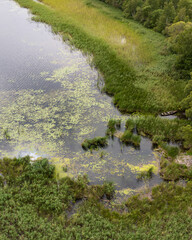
(50, 102)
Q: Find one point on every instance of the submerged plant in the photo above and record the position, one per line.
(6, 134)
(102, 154)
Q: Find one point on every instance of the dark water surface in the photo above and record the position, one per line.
(50, 102)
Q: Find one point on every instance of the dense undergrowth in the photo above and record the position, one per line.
(162, 132)
(35, 206)
(155, 14)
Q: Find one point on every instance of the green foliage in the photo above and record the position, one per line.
(118, 72)
(109, 189)
(112, 126)
(155, 14)
(159, 16)
(183, 46)
(97, 142)
(157, 139)
(130, 138)
(166, 198)
(171, 170)
(130, 124)
(145, 175)
(186, 104)
(36, 208)
(153, 126)
(186, 132)
(34, 205)
(170, 150)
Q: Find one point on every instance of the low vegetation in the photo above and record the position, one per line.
(130, 138)
(171, 151)
(145, 175)
(159, 129)
(112, 126)
(97, 142)
(34, 205)
(172, 171)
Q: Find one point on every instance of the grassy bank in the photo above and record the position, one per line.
(34, 205)
(128, 55)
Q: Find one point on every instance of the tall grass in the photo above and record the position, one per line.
(112, 126)
(130, 138)
(160, 129)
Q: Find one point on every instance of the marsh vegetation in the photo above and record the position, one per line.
(146, 73)
(35, 205)
(98, 142)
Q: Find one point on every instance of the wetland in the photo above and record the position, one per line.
(87, 147)
(51, 100)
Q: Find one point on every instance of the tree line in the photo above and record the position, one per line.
(169, 17)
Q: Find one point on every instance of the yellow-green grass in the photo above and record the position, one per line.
(126, 42)
(128, 55)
